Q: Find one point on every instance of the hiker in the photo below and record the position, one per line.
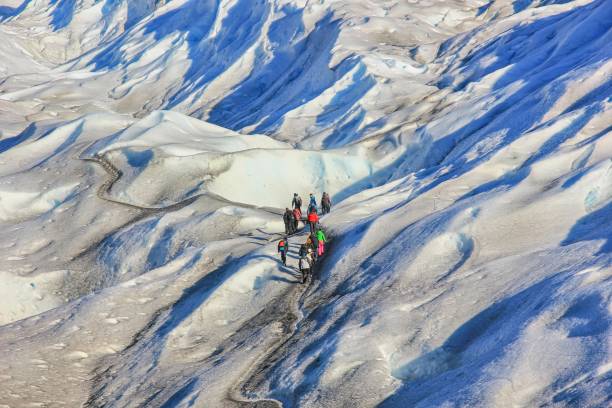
(289, 221)
(297, 216)
(325, 203)
(314, 244)
(283, 248)
(305, 258)
(313, 219)
(312, 205)
(297, 202)
(303, 253)
(321, 240)
(310, 244)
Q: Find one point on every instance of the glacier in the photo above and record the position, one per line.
(148, 149)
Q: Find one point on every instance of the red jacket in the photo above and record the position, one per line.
(313, 217)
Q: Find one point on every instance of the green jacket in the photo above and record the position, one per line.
(321, 236)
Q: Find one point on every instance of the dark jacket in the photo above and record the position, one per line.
(288, 217)
(297, 202)
(325, 200)
(309, 243)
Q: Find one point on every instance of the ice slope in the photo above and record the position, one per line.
(320, 73)
(468, 153)
(254, 169)
(46, 178)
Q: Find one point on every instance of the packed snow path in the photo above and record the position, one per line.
(114, 174)
(148, 149)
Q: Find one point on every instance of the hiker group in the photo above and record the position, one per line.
(293, 216)
(314, 247)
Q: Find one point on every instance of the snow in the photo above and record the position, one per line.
(15, 205)
(149, 148)
(26, 296)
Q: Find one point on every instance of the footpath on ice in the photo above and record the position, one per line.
(148, 150)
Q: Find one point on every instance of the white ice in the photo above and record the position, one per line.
(149, 148)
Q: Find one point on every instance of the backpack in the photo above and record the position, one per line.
(282, 245)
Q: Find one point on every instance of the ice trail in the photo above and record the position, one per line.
(114, 174)
(249, 381)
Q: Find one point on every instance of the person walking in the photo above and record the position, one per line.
(312, 205)
(321, 239)
(302, 254)
(325, 203)
(297, 216)
(305, 259)
(313, 219)
(283, 248)
(289, 221)
(297, 202)
(311, 245)
(315, 245)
